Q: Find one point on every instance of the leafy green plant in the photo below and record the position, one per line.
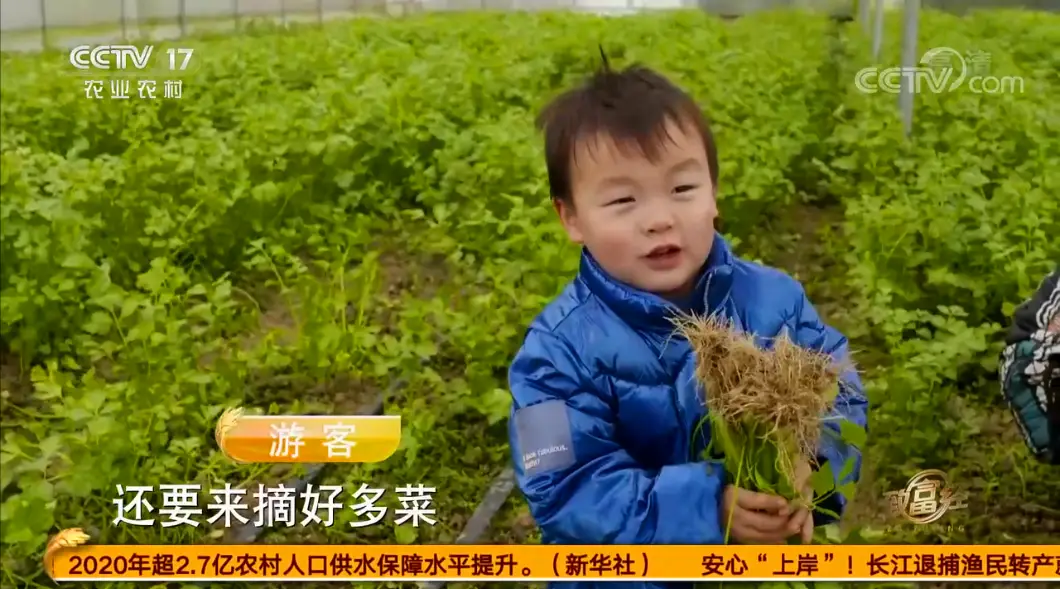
(766, 410)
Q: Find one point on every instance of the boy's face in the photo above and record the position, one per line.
(648, 224)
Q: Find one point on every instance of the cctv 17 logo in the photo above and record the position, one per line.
(132, 60)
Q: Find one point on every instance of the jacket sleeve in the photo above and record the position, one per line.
(1026, 320)
(851, 404)
(1030, 370)
(581, 484)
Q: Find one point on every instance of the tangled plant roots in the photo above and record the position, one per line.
(783, 393)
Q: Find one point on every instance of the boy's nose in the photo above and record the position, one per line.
(659, 222)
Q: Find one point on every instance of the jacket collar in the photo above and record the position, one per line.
(648, 311)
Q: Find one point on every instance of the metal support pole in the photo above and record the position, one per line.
(907, 90)
(863, 14)
(877, 33)
(124, 22)
(183, 15)
(236, 16)
(320, 12)
(43, 23)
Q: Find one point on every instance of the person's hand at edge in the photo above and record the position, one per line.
(755, 518)
(801, 521)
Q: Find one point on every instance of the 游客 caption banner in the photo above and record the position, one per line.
(83, 563)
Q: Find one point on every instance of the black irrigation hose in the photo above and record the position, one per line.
(496, 495)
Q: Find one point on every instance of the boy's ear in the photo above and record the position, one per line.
(569, 218)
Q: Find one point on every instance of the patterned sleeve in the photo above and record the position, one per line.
(1030, 370)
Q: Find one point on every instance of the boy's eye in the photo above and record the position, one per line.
(621, 201)
(684, 188)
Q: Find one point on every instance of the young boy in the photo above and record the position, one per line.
(604, 398)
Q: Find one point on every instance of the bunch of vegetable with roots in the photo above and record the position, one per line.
(765, 407)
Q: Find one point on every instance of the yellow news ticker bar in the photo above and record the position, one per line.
(68, 559)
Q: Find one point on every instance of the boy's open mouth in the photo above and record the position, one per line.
(664, 257)
(663, 251)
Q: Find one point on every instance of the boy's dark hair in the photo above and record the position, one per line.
(631, 107)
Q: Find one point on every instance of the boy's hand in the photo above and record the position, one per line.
(801, 524)
(801, 521)
(756, 518)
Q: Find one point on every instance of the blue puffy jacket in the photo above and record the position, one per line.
(605, 404)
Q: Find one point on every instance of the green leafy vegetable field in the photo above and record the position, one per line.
(332, 212)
